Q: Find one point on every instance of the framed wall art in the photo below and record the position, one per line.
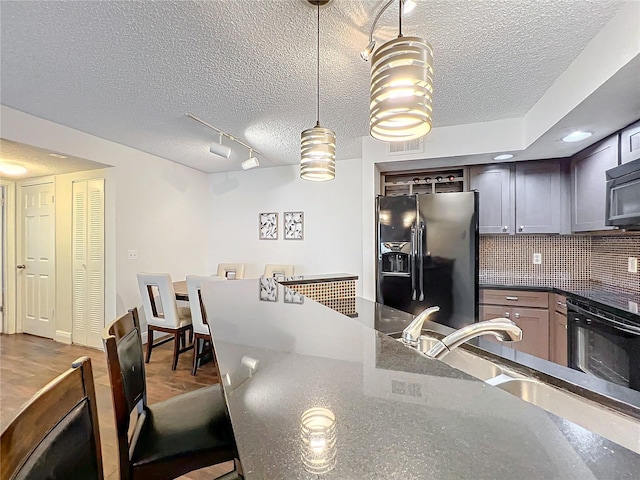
(293, 225)
(268, 226)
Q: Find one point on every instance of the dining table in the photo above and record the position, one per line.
(180, 289)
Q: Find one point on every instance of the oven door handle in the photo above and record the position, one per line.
(608, 321)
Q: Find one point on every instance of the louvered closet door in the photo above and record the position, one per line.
(88, 262)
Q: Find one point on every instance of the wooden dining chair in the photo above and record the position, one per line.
(163, 315)
(169, 438)
(56, 434)
(201, 336)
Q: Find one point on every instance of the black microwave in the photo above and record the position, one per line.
(623, 195)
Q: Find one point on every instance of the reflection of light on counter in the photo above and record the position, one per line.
(318, 440)
(250, 363)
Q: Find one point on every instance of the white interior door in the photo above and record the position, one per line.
(36, 271)
(88, 262)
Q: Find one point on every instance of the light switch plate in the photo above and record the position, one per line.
(633, 265)
(537, 258)
(133, 255)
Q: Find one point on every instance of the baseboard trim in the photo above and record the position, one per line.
(63, 337)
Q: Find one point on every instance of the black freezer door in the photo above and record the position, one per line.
(396, 250)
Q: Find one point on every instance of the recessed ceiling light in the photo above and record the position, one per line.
(504, 156)
(9, 169)
(576, 136)
(57, 155)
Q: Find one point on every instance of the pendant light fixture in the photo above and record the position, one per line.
(401, 86)
(318, 144)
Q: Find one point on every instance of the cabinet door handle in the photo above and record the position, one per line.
(507, 314)
(517, 315)
(515, 299)
(21, 267)
(563, 305)
(505, 229)
(521, 228)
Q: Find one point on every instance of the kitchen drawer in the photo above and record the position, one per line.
(560, 303)
(514, 298)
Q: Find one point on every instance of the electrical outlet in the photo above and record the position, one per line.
(133, 255)
(632, 266)
(537, 258)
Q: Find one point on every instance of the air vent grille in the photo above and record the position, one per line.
(409, 146)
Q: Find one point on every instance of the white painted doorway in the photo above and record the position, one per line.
(88, 262)
(36, 259)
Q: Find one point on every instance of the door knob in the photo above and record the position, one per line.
(21, 266)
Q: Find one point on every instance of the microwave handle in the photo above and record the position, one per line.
(608, 321)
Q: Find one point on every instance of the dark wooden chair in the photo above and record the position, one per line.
(169, 438)
(56, 435)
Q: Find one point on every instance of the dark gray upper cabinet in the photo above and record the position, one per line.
(538, 205)
(588, 184)
(630, 143)
(497, 206)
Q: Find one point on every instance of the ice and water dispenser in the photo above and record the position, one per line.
(396, 257)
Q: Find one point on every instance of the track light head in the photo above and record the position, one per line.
(250, 163)
(220, 150)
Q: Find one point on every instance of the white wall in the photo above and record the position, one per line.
(160, 208)
(332, 219)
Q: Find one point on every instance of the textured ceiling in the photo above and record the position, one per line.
(129, 71)
(39, 162)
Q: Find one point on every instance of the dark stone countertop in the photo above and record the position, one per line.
(625, 304)
(397, 413)
(321, 278)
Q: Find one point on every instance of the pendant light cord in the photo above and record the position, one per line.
(318, 71)
(399, 18)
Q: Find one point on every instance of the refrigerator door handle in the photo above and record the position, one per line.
(421, 261)
(413, 263)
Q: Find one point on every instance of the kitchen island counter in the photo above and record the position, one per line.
(381, 410)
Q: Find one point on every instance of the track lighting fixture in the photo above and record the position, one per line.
(224, 150)
(220, 149)
(250, 162)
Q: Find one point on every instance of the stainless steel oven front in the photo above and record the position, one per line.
(603, 344)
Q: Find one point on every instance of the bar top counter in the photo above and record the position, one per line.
(313, 392)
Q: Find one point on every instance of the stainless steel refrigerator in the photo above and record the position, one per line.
(428, 255)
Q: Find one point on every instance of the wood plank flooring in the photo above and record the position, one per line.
(28, 363)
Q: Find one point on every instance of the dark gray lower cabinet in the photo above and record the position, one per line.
(588, 184)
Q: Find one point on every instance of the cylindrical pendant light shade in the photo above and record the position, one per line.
(318, 154)
(401, 90)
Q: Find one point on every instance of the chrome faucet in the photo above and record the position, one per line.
(503, 329)
(411, 334)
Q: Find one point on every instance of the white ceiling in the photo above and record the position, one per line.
(129, 71)
(40, 162)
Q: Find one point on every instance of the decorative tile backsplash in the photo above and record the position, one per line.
(568, 261)
(609, 260)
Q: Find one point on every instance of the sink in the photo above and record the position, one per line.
(464, 361)
(617, 427)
